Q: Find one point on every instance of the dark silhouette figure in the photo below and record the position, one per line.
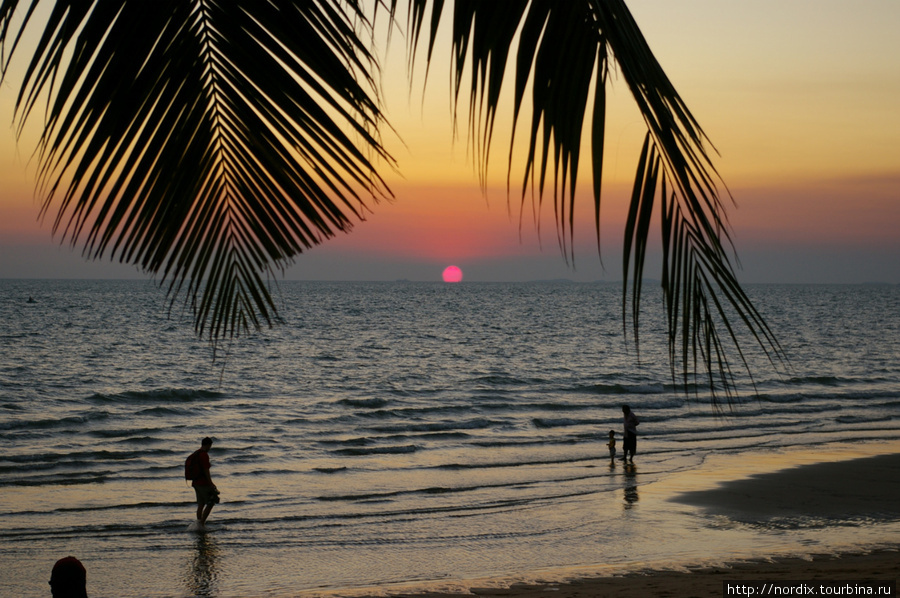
(68, 579)
(629, 443)
(205, 489)
(612, 446)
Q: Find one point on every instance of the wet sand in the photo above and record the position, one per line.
(864, 489)
(703, 583)
(852, 489)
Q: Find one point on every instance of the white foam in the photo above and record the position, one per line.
(196, 526)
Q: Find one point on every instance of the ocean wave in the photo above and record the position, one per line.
(431, 409)
(355, 441)
(330, 470)
(441, 426)
(385, 496)
(327, 357)
(823, 380)
(86, 458)
(378, 450)
(842, 394)
(770, 406)
(370, 403)
(265, 472)
(70, 479)
(782, 398)
(528, 406)
(648, 388)
(370, 414)
(180, 395)
(142, 440)
(510, 464)
(122, 506)
(516, 442)
(502, 380)
(367, 496)
(125, 433)
(863, 419)
(544, 422)
(71, 421)
(118, 529)
(164, 411)
(437, 435)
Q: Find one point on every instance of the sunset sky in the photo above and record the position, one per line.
(801, 98)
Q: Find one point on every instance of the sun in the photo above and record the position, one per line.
(452, 274)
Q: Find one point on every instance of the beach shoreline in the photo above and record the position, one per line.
(849, 489)
(878, 566)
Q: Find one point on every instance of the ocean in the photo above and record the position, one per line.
(404, 434)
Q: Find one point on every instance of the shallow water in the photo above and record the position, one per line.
(404, 432)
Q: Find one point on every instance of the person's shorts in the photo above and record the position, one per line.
(205, 495)
(629, 445)
(612, 453)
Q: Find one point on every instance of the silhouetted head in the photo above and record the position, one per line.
(612, 433)
(206, 442)
(626, 409)
(68, 579)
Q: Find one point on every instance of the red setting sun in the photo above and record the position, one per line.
(452, 274)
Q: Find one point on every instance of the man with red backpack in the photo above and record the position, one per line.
(196, 469)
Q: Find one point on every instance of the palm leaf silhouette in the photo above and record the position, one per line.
(561, 48)
(206, 142)
(203, 141)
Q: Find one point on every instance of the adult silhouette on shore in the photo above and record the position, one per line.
(629, 442)
(204, 488)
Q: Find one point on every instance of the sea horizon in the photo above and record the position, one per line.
(436, 280)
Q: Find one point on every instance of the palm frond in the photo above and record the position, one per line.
(559, 52)
(697, 272)
(561, 48)
(212, 141)
(207, 141)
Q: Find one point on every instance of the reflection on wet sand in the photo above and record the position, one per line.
(202, 578)
(630, 488)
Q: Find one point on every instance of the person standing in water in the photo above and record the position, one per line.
(201, 480)
(612, 445)
(629, 442)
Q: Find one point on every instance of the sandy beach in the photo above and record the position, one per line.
(702, 583)
(842, 492)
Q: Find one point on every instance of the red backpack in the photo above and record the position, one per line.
(192, 467)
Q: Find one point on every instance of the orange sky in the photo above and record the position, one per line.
(800, 98)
